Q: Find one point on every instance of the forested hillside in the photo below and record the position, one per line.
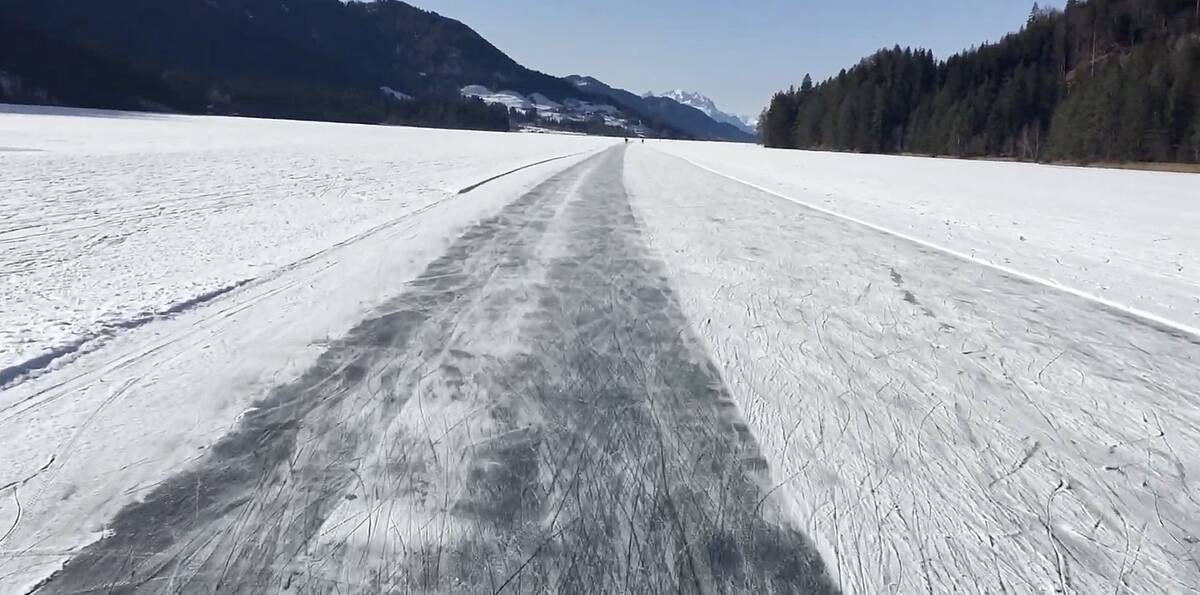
(304, 59)
(379, 61)
(1101, 80)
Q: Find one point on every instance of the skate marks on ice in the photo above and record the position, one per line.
(530, 415)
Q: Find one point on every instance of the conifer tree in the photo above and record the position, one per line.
(1099, 80)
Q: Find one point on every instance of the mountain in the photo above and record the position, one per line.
(1101, 80)
(709, 107)
(307, 59)
(324, 42)
(38, 69)
(539, 113)
(751, 122)
(375, 62)
(665, 112)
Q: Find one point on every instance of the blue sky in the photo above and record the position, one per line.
(738, 53)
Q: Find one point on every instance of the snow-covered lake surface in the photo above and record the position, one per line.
(939, 376)
(110, 219)
(1128, 237)
(936, 425)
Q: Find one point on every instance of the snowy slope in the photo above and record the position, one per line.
(936, 425)
(570, 109)
(509, 99)
(1127, 237)
(710, 109)
(394, 94)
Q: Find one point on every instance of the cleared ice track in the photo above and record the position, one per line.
(937, 426)
(533, 414)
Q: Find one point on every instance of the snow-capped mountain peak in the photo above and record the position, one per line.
(696, 100)
(708, 106)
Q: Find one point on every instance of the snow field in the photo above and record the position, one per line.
(935, 425)
(111, 219)
(1126, 237)
(348, 215)
(932, 424)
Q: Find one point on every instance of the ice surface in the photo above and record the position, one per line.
(1128, 237)
(112, 215)
(110, 219)
(530, 411)
(939, 426)
(917, 395)
(570, 109)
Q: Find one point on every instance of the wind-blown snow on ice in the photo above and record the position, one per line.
(132, 213)
(110, 219)
(938, 426)
(1129, 237)
(928, 407)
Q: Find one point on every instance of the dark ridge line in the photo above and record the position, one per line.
(10, 376)
(513, 171)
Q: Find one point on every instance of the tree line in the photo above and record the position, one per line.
(299, 59)
(1099, 80)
